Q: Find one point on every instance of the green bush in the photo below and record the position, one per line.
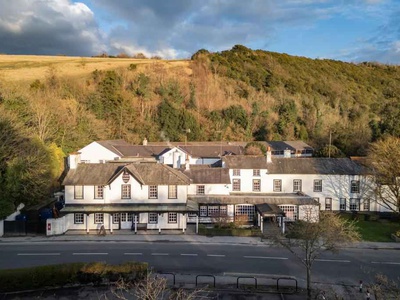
(64, 274)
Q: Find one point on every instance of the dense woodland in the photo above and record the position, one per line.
(232, 95)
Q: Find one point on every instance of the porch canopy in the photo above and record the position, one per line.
(269, 210)
(189, 207)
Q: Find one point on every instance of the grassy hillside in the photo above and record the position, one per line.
(50, 106)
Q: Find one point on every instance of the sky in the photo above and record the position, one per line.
(347, 30)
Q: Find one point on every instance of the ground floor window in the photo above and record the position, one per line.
(79, 218)
(153, 218)
(354, 204)
(290, 212)
(172, 218)
(98, 218)
(342, 204)
(244, 210)
(328, 203)
(213, 210)
(366, 204)
(115, 218)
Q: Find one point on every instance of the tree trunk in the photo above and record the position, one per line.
(308, 283)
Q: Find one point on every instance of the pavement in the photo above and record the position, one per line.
(171, 237)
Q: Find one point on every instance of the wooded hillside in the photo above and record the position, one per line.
(238, 94)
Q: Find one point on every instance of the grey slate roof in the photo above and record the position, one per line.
(303, 165)
(113, 145)
(208, 175)
(158, 174)
(245, 162)
(314, 165)
(140, 150)
(92, 174)
(212, 151)
(145, 173)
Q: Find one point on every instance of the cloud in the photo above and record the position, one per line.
(48, 27)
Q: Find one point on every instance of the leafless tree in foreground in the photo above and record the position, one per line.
(309, 238)
(153, 287)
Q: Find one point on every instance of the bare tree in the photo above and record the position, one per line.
(383, 288)
(384, 160)
(309, 238)
(153, 287)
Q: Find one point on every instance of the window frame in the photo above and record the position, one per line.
(153, 191)
(126, 194)
(257, 185)
(98, 218)
(172, 192)
(152, 215)
(98, 192)
(342, 201)
(236, 185)
(354, 204)
(172, 218)
(248, 210)
(367, 204)
(236, 172)
(256, 172)
(116, 218)
(298, 183)
(80, 215)
(275, 187)
(317, 185)
(200, 189)
(328, 204)
(82, 191)
(355, 187)
(292, 209)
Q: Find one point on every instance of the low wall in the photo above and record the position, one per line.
(56, 226)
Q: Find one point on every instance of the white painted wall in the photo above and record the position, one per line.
(56, 226)
(211, 189)
(95, 153)
(143, 218)
(112, 194)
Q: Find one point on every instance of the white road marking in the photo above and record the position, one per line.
(160, 254)
(38, 254)
(189, 254)
(265, 257)
(91, 253)
(385, 262)
(133, 253)
(216, 255)
(333, 260)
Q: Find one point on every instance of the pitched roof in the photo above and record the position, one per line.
(209, 151)
(140, 150)
(158, 174)
(304, 165)
(145, 173)
(316, 165)
(245, 162)
(208, 175)
(91, 174)
(113, 145)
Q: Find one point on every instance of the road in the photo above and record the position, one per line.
(347, 267)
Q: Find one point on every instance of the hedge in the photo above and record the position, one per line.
(229, 231)
(67, 274)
